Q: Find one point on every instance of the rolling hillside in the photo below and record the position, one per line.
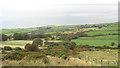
(101, 37)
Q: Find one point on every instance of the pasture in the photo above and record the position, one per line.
(21, 43)
(104, 31)
(108, 55)
(12, 31)
(98, 41)
(16, 43)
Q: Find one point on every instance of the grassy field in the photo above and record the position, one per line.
(12, 31)
(20, 43)
(102, 55)
(98, 41)
(104, 31)
(105, 40)
(16, 43)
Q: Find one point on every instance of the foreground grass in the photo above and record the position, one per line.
(54, 61)
(98, 41)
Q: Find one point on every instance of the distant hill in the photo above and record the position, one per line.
(52, 29)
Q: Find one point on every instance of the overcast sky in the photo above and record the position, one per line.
(32, 13)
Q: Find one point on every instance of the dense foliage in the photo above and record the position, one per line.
(31, 47)
(37, 41)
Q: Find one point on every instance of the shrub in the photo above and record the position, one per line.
(37, 56)
(64, 57)
(112, 44)
(4, 37)
(31, 47)
(4, 52)
(70, 45)
(37, 41)
(8, 48)
(14, 56)
(17, 48)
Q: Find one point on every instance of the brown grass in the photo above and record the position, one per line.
(54, 61)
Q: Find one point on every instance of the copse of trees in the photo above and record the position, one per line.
(27, 36)
(21, 36)
(69, 37)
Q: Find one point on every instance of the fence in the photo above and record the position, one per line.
(98, 61)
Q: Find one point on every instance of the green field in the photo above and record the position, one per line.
(108, 34)
(17, 42)
(12, 31)
(98, 41)
(104, 31)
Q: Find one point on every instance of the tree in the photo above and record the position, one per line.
(31, 47)
(17, 36)
(37, 41)
(4, 37)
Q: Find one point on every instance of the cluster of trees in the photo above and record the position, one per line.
(4, 37)
(69, 37)
(66, 45)
(23, 36)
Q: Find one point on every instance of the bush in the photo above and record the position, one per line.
(64, 57)
(14, 56)
(37, 56)
(17, 48)
(112, 44)
(37, 41)
(8, 48)
(4, 52)
(31, 47)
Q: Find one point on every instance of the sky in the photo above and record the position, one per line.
(34, 13)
